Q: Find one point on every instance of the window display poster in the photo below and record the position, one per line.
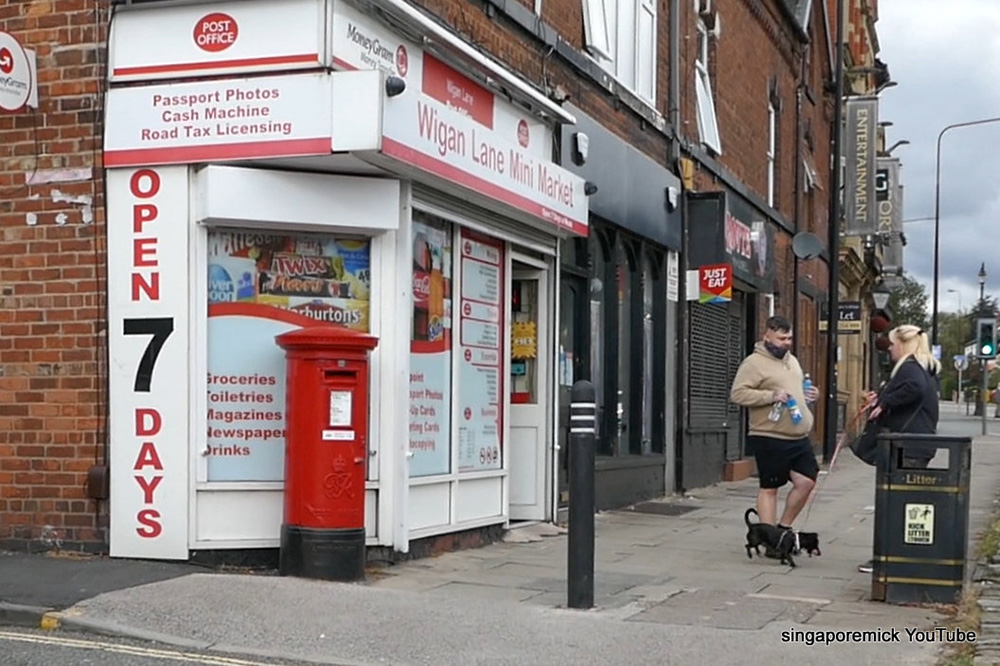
(260, 286)
(480, 356)
(323, 278)
(431, 350)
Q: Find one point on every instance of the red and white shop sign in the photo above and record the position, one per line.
(422, 132)
(148, 340)
(446, 124)
(152, 42)
(274, 116)
(361, 42)
(457, 91)
(16, 79)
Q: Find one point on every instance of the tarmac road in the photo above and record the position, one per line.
(32, 647)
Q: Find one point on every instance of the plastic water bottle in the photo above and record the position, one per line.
(776, 409)
(807, 384)
(794, 412)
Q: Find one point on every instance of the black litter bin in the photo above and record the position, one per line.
(921, 518)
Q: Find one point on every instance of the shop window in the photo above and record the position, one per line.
(599, 269)
(259, 286)
(431, 348)
(524, 309)
(649, 351)
(627, 290)
(466, 346)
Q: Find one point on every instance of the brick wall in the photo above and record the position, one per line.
(51, 263)
(524, 53)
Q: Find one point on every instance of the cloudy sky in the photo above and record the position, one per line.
(945, 57)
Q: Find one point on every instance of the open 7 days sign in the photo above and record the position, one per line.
(15, 74)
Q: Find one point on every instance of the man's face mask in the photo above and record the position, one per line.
(776, 351)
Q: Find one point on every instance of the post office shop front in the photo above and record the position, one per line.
(258, 184)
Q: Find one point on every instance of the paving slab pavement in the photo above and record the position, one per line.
(673, 586)
(669, 589)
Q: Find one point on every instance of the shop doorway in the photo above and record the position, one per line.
(528, 384)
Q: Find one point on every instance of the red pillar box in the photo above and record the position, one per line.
(326, 453)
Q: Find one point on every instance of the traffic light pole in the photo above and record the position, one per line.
(983, 372)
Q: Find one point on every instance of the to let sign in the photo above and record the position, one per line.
(715, 283)
(849, 316)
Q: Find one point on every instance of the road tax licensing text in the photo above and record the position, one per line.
(879, 635)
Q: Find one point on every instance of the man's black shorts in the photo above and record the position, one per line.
(777, 457)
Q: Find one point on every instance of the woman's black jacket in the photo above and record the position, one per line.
(911, 392)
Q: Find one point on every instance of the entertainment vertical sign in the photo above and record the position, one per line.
(148, 338)
(859, 171)
(480, 362)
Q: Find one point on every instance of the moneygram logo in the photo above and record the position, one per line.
(15, 74)
(216, 32)
(6, 60)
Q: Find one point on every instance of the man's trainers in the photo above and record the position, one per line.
(867, 567)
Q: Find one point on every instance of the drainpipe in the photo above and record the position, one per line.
(674, 154)
(674, 81)
(799, 193)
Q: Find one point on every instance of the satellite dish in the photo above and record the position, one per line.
(806, 245)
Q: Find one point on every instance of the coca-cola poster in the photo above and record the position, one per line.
(430, 349)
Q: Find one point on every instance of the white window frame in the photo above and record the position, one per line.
(595, 28)
(621, 35)
(772, 140)
(708, 125)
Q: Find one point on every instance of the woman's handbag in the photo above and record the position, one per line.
(865, 445)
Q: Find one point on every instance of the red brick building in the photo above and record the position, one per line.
(52, 343)
(700, 132)
(757, 122)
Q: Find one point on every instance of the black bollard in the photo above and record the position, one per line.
(580, 579)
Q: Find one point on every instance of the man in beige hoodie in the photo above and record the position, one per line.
(771, 375)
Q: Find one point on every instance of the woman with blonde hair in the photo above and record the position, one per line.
(909, 400)
(912, 387)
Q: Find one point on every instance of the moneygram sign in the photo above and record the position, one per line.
(15, 74)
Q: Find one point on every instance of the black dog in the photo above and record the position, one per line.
(781, 542)
(808, 542)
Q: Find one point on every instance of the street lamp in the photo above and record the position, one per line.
(982, 281)
(880, 296)
(982, 361)
(959, 294)
(901, 142)
(937, 219)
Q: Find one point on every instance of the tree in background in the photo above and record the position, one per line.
(984, 308)
(954, 332)
(908, 304)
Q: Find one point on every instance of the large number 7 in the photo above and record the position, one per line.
(160, 329)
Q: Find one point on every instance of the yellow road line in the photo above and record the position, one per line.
(128, 649)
